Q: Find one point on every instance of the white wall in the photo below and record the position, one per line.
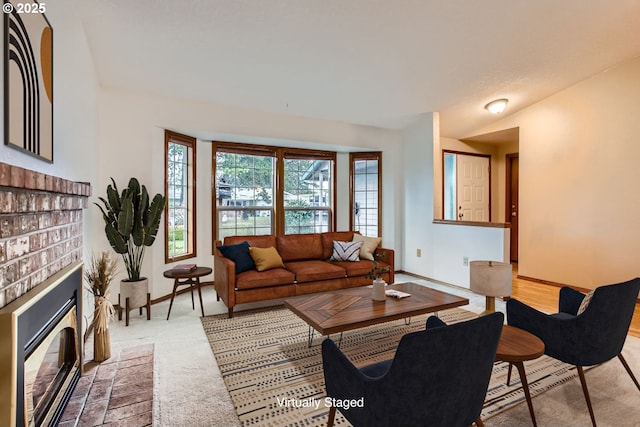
(74, 101)
(443, 246)
(132, 144)
(75, 107)
(578, 177)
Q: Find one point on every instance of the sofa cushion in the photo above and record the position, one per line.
(266, 258)
(346, 251)
(359, 268)
(329, 237)
(296, 247)
(312, 270)
(240, 255)
(261, 279)
(263, 241)
(369, 245)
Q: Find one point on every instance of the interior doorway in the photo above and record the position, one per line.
(467, 187)
(511, 199)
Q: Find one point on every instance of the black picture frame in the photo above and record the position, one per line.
(28, 79)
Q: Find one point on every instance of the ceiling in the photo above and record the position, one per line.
(370, 62)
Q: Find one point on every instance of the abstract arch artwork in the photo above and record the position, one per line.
(28, 82)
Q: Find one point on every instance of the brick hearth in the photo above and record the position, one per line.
(117, 392)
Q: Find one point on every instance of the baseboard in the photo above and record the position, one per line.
(555, 284)
(429, 279)
(561, 285)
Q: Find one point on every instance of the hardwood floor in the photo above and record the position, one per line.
(545, 297)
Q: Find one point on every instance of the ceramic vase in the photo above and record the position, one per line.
(378, 290)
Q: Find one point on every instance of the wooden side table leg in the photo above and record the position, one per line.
(119, 309)
(200, 295)
(126, 309)
(191, 285)
(173, 295)
(148, 306)
(525, 387)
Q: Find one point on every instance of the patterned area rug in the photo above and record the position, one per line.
(269, 369)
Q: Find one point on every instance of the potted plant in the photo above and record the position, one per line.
(131, 224)
(98, 276)
(375, 274)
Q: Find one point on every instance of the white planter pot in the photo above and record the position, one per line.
(378, 290)
(136, 292)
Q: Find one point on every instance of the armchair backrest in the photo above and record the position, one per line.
(600, 331)
(439, 377)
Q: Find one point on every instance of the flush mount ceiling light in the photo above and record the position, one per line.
(497, 106)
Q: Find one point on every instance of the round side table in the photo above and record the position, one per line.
(184, 278)
(515, 347)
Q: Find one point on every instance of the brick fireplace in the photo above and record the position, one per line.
(41, 226)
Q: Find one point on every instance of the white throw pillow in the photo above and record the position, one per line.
(346, 251)
(369, 245)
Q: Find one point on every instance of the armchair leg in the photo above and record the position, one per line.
(586, 393)
(332, 415)
(479, 423)
(626, 366)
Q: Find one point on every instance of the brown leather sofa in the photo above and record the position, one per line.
(307, 268)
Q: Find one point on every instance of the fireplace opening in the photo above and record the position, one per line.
(48, 369)
(41, 350)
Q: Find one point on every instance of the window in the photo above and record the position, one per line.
(244, 192)
(180, 186)
(248, 201)
(365, 193)
(308, 186)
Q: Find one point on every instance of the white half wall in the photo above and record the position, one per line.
(442, 246)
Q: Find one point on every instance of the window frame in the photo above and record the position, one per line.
(279, 154)
(363, 156)
(246, 149)
(171, 137)
(314, 155)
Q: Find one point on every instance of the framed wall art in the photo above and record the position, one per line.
(28, 79)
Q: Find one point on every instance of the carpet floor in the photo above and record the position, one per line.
(264, 359)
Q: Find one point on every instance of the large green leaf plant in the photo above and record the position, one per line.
(131, 222)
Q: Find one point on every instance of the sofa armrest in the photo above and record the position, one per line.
(387, 256)
(224, 277)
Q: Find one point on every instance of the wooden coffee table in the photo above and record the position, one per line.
(347, 309)
(516, 346)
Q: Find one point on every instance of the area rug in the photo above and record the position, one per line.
(269, 369)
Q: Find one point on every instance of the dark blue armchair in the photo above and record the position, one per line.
(590, 338)
(438, 377)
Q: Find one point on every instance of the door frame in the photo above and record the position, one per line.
(514, 234)
(489, 156)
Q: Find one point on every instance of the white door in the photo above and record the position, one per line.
(473, 188)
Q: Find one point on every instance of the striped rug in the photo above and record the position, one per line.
(267, 365)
